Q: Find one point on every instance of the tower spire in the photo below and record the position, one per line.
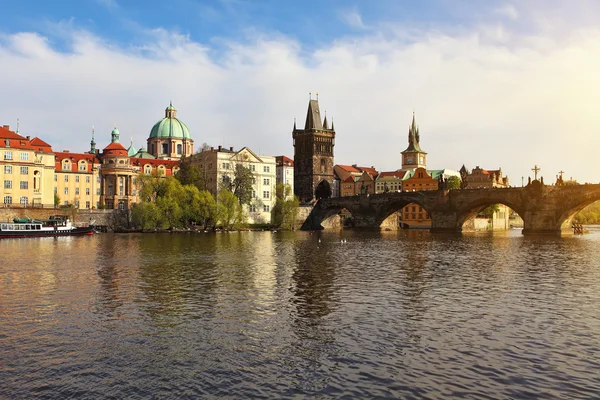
(313, 116)
(17, 125)
(93, 142)
(325, 126)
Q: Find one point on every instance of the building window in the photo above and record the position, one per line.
(77, 178)
(266, 194)
(266, 168)
(266, 208)
(87, 192)
(179, 149)
(254, 194)
(121, 187)
(265, 181)
(8, 155)
(87, 179)
(98, 192)
(7, 184)
(165, 148)
(66, 190)
(87, 204)
(82, 167)
(8, 169)
(24, 156)
(98, 179)
(66, 178)
(225, 165)
(24, 199)
(252, 167)
(76, 203)
(252, 208)
(76, 191)
(24, 170)
(24, 185)
(7, 199)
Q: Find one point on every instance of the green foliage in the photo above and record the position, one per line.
(241, 186)
(285, 212)
(190, 174)
(589, 215)
(453, 183)
(56, 199)
(146, 216)
(489, 211)
(229, 209)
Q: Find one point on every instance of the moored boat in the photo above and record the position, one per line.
(57, 225)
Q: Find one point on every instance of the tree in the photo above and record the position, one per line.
(286, 207)
(453, 183)
(145, 215)
(489, 211)
(190, 174)
(230, 209)
(241, 186)
(56, 199)
(208, 212)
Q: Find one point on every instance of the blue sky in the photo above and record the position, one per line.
(493, 83)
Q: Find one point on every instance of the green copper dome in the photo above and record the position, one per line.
(170, 126)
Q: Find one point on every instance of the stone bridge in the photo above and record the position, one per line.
(544, 209)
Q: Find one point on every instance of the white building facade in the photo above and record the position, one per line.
(219, 166)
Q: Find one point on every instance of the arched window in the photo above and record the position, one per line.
(179, 148)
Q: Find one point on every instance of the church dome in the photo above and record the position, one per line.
(170, 126)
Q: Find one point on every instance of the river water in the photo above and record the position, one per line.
(278, 315)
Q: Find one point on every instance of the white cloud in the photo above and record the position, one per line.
(508, 11)
(513, 103)
(352, 18)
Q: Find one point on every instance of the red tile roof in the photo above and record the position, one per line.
(40, 146)
(397, 174)
(74, 159)
(283, 160)
(115, 149)
(12, 139)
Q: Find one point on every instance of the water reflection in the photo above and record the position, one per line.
(258, 314)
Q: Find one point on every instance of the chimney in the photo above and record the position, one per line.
(6, 127)
(231, 148)
(212, 149)
(220, 148)
(27, 137)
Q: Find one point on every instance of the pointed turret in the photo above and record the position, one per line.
(325, 125)
(332, 128)
(92, 143)
(313, 116)
(294, 123)
(413, 137)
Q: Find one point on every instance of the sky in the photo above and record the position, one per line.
(493, 84)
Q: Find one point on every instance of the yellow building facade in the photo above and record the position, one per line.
(26, 170)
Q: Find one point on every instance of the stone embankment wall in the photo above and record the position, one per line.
(78, 216)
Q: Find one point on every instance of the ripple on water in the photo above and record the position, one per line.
(263, 315)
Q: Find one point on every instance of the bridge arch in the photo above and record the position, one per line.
(472, 209)
(398, 204)
(565, 215)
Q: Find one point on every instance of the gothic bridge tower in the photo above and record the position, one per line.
(313, 156)
(413, 157)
